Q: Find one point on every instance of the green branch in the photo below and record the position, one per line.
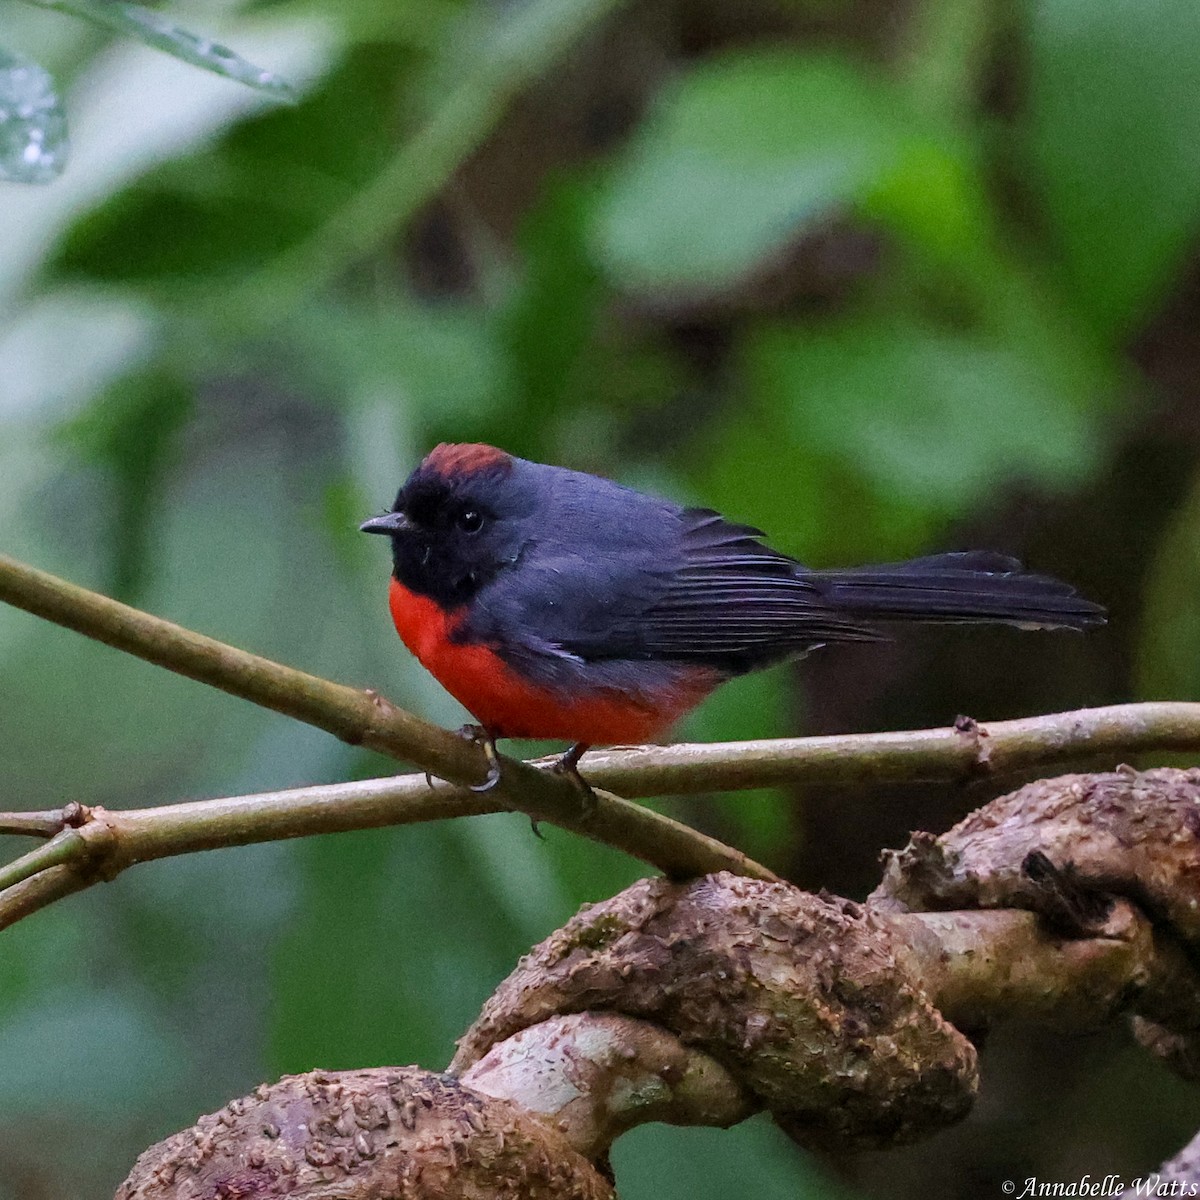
(364, 718)
(87, 844)
(972, 751)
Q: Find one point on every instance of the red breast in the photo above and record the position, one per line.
(509, 706)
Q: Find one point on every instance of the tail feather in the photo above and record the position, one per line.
(975, 586)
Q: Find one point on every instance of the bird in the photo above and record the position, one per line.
(556, 604)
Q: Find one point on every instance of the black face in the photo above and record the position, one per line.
(449, 536)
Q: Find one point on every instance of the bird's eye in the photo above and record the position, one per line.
(470, 520)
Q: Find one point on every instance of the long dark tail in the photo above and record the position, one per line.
(972, 586)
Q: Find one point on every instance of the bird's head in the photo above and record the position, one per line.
(456, 522)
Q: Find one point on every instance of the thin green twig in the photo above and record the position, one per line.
(65, 847)
(364, 718)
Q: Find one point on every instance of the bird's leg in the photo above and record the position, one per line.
(486, 741)
(568, 765)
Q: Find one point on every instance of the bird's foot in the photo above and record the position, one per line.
(487, 743)
(568, 766)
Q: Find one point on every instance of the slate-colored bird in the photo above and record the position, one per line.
(556, 604)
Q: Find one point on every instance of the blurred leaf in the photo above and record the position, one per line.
(131, 114)
(813, 505)
(935, 197)
(207, 214)
(658, 1162)
(87, 1052)
(945, 46)
(1169, 651)
(109, 335)
(218, 236)
(150, 27)
(1114, 138)
(735, 159)
(443, 363)
(33, 125)
(132, 433)
(924, 412)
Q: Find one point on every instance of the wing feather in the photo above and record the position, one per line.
(727, 601)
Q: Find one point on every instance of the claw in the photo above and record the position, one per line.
(487, 743)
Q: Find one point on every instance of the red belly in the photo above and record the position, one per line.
(508, 706)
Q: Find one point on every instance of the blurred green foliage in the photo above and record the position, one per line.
(33, 124)
(881, 278)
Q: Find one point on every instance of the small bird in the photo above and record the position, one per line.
(555, 604)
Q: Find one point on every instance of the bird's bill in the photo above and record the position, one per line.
(390, 523)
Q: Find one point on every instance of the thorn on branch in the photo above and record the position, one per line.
(971, 730)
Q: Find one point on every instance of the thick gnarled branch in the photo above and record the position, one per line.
(703, 1001)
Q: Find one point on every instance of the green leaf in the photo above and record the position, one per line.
(111, 1038)
(735, 159)
(924, 412)
(33, 126)
(237, 205)
(814, 505)
(935, 199)
(1169, 653)
(442, 363)
(1114, 129)
(132, 117)
(153, 29)
(663, 1162)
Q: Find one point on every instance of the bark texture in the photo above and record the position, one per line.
(808, 1000)
(392, 1133)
